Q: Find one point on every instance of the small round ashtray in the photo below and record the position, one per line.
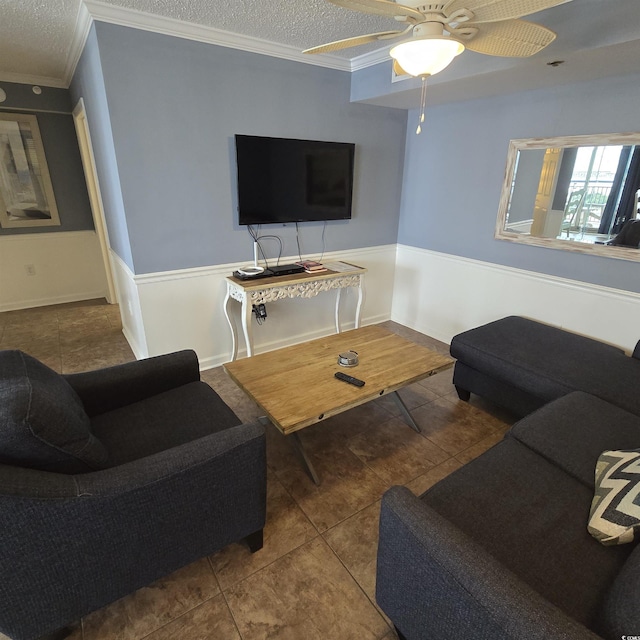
(348, 359)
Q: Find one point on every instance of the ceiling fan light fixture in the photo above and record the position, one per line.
(426, 56)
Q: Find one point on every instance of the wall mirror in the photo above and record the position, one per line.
(577, 193)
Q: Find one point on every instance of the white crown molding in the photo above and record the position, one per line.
(199, 33)
(42, 81)
(90, 10)
(370, 59)
(80, 35)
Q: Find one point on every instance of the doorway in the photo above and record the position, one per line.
(95, 199)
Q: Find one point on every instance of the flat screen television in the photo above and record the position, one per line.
(285, 180)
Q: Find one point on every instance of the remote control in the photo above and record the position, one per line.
(350, 379)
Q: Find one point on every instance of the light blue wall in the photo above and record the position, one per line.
(174, 106)
(88, 83)
(455, 168)
(52, 109)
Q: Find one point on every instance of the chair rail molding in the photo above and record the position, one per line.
(467, 293)
(184, 308)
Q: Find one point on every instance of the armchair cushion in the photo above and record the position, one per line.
(121, 385)
(162, 422)
(42, 421)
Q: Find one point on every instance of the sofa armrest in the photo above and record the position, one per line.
(433, 581)
(114, 387)
(101, 535)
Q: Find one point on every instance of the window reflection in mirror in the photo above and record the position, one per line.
(580, 189)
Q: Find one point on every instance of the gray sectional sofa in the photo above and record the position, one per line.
(500, 548)
(522, 364)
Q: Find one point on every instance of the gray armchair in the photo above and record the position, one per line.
(112, 479)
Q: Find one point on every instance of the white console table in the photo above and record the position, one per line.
(299, 285)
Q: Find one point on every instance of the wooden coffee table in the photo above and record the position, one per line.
(295, 386)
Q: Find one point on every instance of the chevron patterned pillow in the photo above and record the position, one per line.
(615, 511)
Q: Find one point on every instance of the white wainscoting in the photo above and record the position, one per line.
(67, 267)
(168, 311)
(441, 295)
(130, 310)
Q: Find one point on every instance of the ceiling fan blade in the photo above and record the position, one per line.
(354, 42)
(380, 8)
(511, 39)
(495, 10)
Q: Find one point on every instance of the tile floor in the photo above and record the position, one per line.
(315, 577)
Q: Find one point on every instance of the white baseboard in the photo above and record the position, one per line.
(442, 295)
(46, 302)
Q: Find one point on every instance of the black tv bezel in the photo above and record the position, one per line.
(245, 219)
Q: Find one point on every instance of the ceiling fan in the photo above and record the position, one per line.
(439, 31)
(491, 27)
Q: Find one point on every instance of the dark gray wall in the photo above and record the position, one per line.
(174, 106)
(455, 168)
(52, 108)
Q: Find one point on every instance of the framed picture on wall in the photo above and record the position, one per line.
(26, 192)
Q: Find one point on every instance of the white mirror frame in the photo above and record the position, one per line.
(623, 253)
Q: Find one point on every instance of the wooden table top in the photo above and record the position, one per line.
(295, 386)
(293, 278)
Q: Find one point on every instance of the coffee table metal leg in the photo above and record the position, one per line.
(297, 444)
(405, 412)
(299, 449)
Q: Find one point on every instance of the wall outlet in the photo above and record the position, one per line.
(30, 269)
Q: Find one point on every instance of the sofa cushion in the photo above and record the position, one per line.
(548, 362)
(42, 422)
(620, 614)
(531, 516)
(574, 430)
(615, 511)
(162, 422)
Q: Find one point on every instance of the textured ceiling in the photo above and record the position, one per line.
(299, 23)
(36, 36)
(40, 39)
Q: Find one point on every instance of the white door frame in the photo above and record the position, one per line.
(95, 198)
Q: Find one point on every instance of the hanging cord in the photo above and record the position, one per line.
(324, 228)
(298, 242)
(255, 234)
(279, 239)
(423, 100)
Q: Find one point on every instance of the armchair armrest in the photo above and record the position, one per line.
(114, 387)
(233, 451)
(433, 581)
(95, 537)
